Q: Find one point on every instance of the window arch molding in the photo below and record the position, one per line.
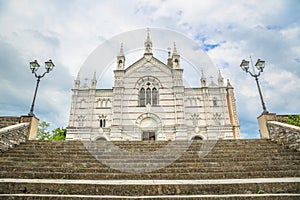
(144, 80)
(148, 91)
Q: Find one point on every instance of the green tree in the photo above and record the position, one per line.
(58, 134)
(42, 133)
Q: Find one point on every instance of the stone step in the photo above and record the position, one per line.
(96, 164)
(280, 196)
(132, 159)
(46, 148)
(66, 162)
(230, 143)
(150, 187)
(139, 148)
(152, 175)
(152, 144)
(106, 169)
(154, 158)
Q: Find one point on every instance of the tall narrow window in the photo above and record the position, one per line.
(142, 97)
(215, 103)
(102, 123)
(154, 97)
(148, 96)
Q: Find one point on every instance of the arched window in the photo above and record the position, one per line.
(102, 123)
(148, 96)
(142, 97)
(154, 97)
(215, 103)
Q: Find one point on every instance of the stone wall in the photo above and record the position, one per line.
(286, 134)
(8, 121)
(13, 135)
(14, 130)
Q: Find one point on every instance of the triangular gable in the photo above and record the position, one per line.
(144, 60)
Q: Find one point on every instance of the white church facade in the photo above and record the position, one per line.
(149, 101)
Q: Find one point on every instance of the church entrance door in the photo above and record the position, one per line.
(148, 135)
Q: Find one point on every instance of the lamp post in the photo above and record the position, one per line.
(260, 65)
(34, 66)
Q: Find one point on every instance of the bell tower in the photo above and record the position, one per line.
(121, 59)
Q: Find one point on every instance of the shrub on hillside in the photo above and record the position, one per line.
(293, 119)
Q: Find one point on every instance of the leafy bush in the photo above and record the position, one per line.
(42, 133)
(293, 119)
(57, 134)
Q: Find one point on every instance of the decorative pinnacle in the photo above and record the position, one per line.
(148, 43)
(78, 76)
(202, 76)
(148, 35)
(121, 50)
(175, 49)
(169, 52)
(219, 74)
(94, 76)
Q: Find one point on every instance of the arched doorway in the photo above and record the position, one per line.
(149, 125)
(197, 137)
(148, 128)
(101, 139)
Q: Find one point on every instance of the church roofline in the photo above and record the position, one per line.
(145, 59)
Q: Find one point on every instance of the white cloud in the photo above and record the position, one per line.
(68, 31)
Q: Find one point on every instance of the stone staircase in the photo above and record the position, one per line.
(227, 169)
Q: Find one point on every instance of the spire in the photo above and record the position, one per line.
(175, 58)
(229, 84)
(148, 43)
(220, 79)
(148, 35)
(203, 79)
(121, 59)
(175, 49)
(170, 64)
(121, 50)
(169, 52)
(77, 81)
(78, 76)
(94, 81)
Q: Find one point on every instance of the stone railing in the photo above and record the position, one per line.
(283, 118)
(286, 134)
(8, 121)
(13, 135)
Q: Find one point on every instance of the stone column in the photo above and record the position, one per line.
(33, 127)
(262, 123)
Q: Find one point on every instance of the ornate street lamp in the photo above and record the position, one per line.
(260, 65)
(34, 66)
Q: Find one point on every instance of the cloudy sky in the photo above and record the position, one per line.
(227, 30)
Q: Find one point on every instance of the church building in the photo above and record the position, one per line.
(149, 101)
